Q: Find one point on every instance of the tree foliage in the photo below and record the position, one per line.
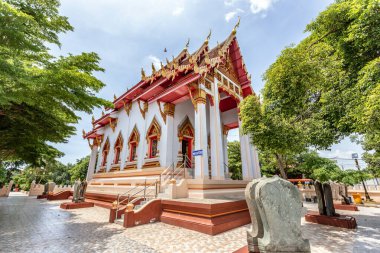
(40, 94)
(51, 171)
(234, 160)
(79, 170)
(322, 89)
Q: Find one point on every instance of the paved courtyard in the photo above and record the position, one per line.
(31, 225)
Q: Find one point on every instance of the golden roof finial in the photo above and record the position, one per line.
(114, 97)
(187, 44)
(142, 74)
(102, 113)
(236, 26)
(93, 119)
(208, 36)
(83, 133)
(167, 61)
(162, 66)
(153, 68)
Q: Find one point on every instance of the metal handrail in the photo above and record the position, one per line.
(181, 168)
(118, 203)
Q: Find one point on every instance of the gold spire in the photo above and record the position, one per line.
(114, 97)
(93, 119)
(162, 66)
(153, 69)
(236, 26)
(167, 61)
(83, 133)
(187, 44)
(208, 36)
(142, 74)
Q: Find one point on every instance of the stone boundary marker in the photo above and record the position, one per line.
(276, 209)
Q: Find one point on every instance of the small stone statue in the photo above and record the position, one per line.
(79, 191)
(46, 189)
(275, 208)
(76, 191)
(82, 191)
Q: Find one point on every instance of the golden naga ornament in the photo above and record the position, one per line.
(143, 76)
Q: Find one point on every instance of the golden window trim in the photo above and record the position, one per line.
(185, 129)
(135, 132)
(154, 130)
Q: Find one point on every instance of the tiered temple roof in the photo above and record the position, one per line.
(170, 83)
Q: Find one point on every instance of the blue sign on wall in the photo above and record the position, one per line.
(197, 152)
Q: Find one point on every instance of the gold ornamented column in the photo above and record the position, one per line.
(201, 159)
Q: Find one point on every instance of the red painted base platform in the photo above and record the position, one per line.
(60, 195)
(73, 205)
(342, 221)
(346, 207)
(210, 219)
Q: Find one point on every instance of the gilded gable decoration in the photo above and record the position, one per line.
(154, 130)
(135, 135)
(185, 129)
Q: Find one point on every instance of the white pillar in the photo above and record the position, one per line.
(92, 163)
(168, 143)
(255, 165)
(225, 151)
(245, 155)
(217, 157)
(201, 161)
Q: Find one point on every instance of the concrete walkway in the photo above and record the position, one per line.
(31, 225)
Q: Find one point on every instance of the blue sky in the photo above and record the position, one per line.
(129, 35)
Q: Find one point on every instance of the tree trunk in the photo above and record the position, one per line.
(281, 166)
(320, 197)
(330, 210)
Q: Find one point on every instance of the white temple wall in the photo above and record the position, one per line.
(154, 111)
(181, 110)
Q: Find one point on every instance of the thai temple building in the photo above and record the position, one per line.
(172, 126)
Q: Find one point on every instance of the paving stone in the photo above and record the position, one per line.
(31, 225)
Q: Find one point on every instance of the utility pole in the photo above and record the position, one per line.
(355, 156)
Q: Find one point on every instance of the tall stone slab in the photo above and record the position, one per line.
(256, 229)
(277, 204)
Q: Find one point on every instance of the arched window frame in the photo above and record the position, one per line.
(105, 152)
(133, 143)
(118, 148)
(153, 137)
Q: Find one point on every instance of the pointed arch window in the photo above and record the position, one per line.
(118, 148)
(153, 137)
(186, 139)
(105, 152)
(133, 142)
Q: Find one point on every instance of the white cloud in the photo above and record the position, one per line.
(229, 2)
(258, 6)
(232, 14)
(178, 11)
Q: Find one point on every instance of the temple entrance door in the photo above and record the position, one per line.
(186, 151)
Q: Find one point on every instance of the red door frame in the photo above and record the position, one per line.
(189, 147)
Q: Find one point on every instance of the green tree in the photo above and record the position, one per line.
(234, 160)
(40, 94)
(322, 89)
(79, 170)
